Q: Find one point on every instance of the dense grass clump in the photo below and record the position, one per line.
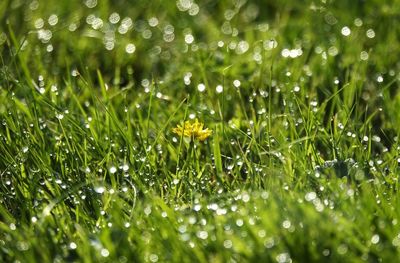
(294, 157)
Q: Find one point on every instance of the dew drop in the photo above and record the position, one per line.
(130, 48)
(189, 39)
(310, 196)
(99, 189)
(346, 31)
(72, 245)
(104, 253)
(125, 167)
(114, 18)
(375, 239)
(370, 33)
(201, 87)
(236, 83)
(227, 243)
(12, 226)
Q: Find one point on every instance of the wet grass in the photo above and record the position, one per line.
(302, 99)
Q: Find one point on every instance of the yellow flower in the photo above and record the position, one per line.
(193, 130)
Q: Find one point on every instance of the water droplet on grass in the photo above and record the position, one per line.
(39, 23)
(370, 33)
(202, 234)
(99, 189)
(375, 239)
(147, 210)
(242, 47)
(125, 167)
(130, 48)
(310, 196)
(286, 224)
(153, 258)
(114, 18)
(175, 181)
(53, 20)
(72, 245)
(342, 249)
(376, 138)
(346, 31)
(22, 245)
(91, 3)
(283, 258)
(236, 83)
(169, 37)
(364, 55)
(239, 222)
(104, 252)
(72, 27)
(153, 21)
(201, 87)
(189, 39)
(12, 226)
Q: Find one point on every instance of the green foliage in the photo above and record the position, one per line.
(302, 98)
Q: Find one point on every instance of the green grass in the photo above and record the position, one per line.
(302, 165)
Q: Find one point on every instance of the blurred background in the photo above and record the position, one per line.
(132, 40)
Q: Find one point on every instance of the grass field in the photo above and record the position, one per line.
(301, 97)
